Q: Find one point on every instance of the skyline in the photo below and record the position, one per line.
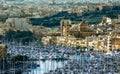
(60, 1)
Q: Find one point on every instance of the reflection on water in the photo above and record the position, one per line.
(79, 57)
(46, 66)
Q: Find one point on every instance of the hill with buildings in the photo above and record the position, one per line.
(92, 16)
(65, 1)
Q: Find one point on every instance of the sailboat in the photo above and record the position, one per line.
(109, 53)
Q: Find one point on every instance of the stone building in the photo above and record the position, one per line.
(78, 30)
(3, 51)
(65, 27)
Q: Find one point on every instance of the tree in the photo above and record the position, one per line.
(91, 49)
(78, 47)
(23, 36)
(19, 58)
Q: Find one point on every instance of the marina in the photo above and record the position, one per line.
(64, 60)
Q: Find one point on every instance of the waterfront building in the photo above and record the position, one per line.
(46, 40)
(116, 23)
(104, 38)
(109, 44)
(3, 51)
(116, 43)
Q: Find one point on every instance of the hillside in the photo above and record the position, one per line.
(92, 17)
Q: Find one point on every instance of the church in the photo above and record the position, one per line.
(80, 30)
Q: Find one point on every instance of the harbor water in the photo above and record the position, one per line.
(48, 65)
(45, 66)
